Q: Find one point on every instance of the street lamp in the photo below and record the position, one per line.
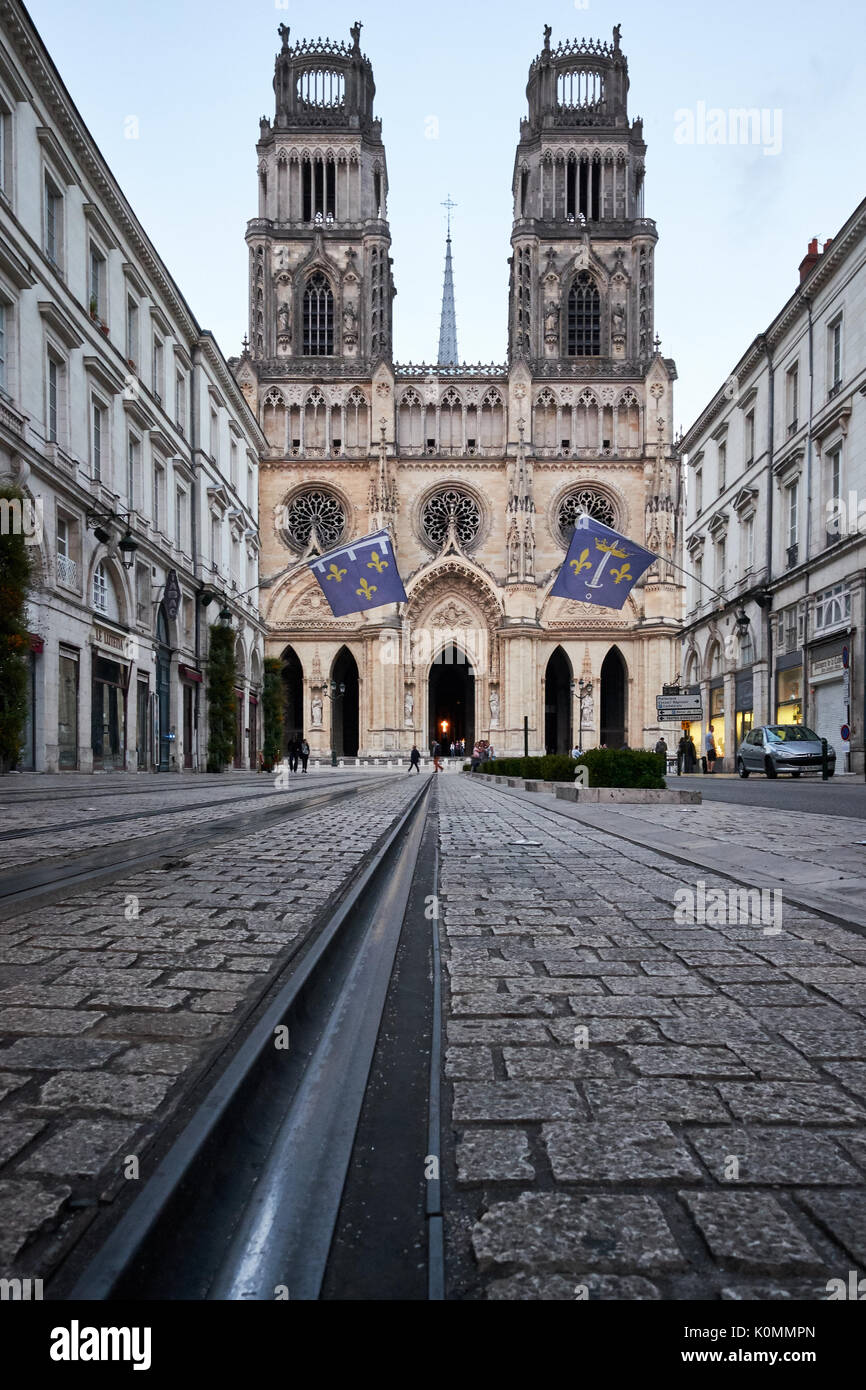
(334, 691)
(127, 547)
(742, 622)
(584, 690)
(225, 616)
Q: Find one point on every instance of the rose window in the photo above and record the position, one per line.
(314, 508)
(447, 505)
(584, 501)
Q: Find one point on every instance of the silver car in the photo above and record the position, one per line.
(775, 748)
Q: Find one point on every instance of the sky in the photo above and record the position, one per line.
(734, 217)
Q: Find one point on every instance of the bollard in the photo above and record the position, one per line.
(824, 763)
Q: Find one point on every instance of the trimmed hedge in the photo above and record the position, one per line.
(608, 767)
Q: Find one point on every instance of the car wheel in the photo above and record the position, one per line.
(770, 767)
(831, 772)
(795, 774)
(741, 768)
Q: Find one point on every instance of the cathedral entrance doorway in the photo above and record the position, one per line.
(293, 698)
(451, 706)
(345, 704)
(613, 699)
(557, 704)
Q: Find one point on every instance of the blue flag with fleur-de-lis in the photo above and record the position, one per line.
(601, 566)
(360, 575)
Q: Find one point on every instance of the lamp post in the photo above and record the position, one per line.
(100, 520)
(334, 690)
(584, 690)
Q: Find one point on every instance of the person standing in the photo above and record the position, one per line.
(415, 760)
(305, 754)
(292, 754)
(691, 760)
(710, 747)
(435, 751)
(661, 747)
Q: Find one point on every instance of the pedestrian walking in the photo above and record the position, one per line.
(453, 748)
(305, 754)
(661, 747)
(435, 751)
(415, 760)
(691, 759)
(681, 755)
(710, 748)
(292, 754)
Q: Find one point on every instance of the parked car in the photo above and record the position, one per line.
(775, 748)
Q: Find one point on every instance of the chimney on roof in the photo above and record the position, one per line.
(827, 245)
(811, 258)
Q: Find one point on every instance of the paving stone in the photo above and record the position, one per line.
(540, 1063)
(843, 1216)
(710, 1031)
(769, 1061)
(154, 998)
(9, 1082)
(686, 1061)
(792, 1101)
(494, 1155)
(55, 1054)
(16, 1135)
(613, 1152)
(783, 995)
(555, 1288)
(482, 1030)
(751, 1231)
(25, 1208)
(658, 985)
(82, 1148)
(232, 980)
(469, 1063)
(501, 1004)
(50, 996)
(812, 1018)
(623, 1101)
(515, 1100)
(795, 1290)
(125, 1095)
(554, 1232)
(825, 1043)
(773, 1155)
(525, 988)
(158, 1025)
(603, 1030)
(622, 1007)
(218, 1002)
(851, 1074)
(49, 1022)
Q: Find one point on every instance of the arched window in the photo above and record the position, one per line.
(584, 318)
(318, 317)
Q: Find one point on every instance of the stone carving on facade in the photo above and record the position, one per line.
(408, 708)
(350, 328)
(588, 720)
(316, 711)
(551, 322)
(494, 708)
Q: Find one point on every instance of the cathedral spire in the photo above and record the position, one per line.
(448, 325)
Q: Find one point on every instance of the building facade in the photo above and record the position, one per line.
(776, 525)
(135, 448)
(479, 471)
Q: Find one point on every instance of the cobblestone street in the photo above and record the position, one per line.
(115, 1002)
(643, 1109)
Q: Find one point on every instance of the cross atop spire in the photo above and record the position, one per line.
(449, 205)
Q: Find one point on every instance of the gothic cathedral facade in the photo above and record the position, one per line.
(479, 472)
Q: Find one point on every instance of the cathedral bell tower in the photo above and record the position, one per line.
(320, 270)
(582, 264)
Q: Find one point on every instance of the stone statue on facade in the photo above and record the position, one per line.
(494, 709)
(284, 320)
(283, 30)
(618, 320)
(408, 707)
(588, 719)
(317, 711)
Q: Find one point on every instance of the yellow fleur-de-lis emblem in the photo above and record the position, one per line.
(336, 573)
(624, 572)
(583, 564)
(377, 563)
(366, 590)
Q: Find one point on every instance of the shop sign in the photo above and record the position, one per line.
(120, 644)
(827, 664)
(674, 708)
(171, 597)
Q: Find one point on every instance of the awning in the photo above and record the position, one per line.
(189, 673)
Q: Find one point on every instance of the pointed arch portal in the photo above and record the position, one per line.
(614, 687)
(451, 698)
(557, 704)
(293, 698)
(345, 707)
